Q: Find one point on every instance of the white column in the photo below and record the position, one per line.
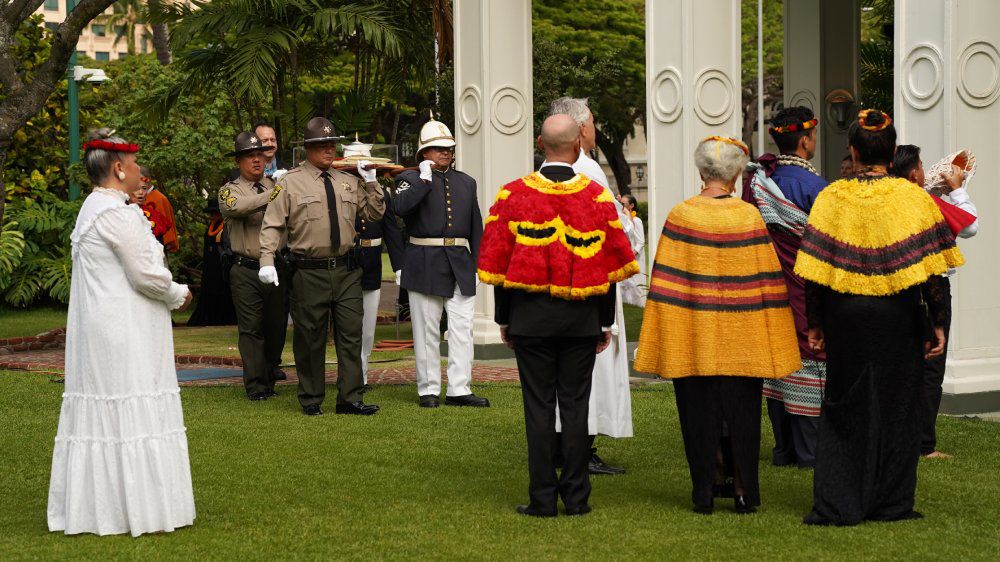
(821, 55)
(947, 89)
(493, 109)
(692, 91)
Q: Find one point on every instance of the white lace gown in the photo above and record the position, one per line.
(120, 463)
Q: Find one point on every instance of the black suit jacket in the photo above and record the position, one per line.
(445, 207)
(540, 314)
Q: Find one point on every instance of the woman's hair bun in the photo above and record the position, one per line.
(874, 118)
(103, 133)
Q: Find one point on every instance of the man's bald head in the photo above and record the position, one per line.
(560, 139)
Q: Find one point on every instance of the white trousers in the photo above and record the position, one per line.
(425, 316)
(369, 302)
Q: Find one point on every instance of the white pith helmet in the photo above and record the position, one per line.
(435, 133)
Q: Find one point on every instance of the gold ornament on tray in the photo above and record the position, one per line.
(358, 151)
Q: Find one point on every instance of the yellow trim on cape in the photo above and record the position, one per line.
(560, 291)
(540, 183)
(842, 281)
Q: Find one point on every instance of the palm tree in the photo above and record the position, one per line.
(161, 40)
(127, 19)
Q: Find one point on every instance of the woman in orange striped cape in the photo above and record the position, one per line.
(716, 277)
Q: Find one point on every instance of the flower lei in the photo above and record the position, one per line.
(100, 144)
(795, 127)
(863, 115)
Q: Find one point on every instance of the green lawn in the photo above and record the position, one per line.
(442, 484)
(16, 322)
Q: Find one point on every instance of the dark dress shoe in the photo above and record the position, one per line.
(742, 506)
(582, 510)
(256, 396)
(467, 400)
(598, 466)
(429, 401)
(271, 393)
(312, 410)
(280, 375)
(532, 512)
(704, 509)
(358, 408)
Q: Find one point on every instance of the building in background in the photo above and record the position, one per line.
(98, 40)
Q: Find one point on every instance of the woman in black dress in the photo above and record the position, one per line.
(872, 256)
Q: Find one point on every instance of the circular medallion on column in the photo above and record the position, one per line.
(470, 109)
(979, 74)
(923, 76)
(508, 112)
(803, 98)
(666, 95)
(713, 96)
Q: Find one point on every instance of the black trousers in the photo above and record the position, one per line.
(704, 405)
(933, 377)
(794, 436)
(556, 368)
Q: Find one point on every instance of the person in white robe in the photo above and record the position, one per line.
(634, 288)
(120, 462)
(610, 397)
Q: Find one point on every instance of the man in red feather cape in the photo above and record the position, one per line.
(553, 246)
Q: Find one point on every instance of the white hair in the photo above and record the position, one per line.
(719, 160)
(576, 108)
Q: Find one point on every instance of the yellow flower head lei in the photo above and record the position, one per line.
(863, 116)
(795, 127)
(728, 140)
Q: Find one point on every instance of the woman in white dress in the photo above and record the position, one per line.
(120, 463)
(634, 288)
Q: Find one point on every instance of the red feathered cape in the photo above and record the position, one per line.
(563, 238)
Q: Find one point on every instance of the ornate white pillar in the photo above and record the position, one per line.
(946, 98)
(493, 111)
(821, 55)
(692, 91)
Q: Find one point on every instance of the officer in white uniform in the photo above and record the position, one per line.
(444, 225)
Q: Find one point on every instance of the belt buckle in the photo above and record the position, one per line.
(331, 263)
(449, 241)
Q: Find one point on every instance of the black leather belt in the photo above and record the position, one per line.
(323, 263)
(246, 262)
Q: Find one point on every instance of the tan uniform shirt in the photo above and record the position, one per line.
(298, 208)
(243, 210)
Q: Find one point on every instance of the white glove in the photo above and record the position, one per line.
(268, 274)
(399, 276)
(367, 175)
(425, 170)
(278, 174)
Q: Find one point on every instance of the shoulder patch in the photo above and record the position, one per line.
(403, 186)
(274, 193)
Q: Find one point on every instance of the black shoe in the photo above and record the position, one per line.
(312, 410)
(704, 509)
(532, 512)
(358, 408)
(429, 401)
(467, 400)
(256, 396)
(742, 506)
(582, 510)
(598, 466)
(271, 393)
(280, 375)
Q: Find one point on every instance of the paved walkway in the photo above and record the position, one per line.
(52, 361)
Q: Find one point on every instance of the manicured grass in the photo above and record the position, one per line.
(17, 322)
(442, 484)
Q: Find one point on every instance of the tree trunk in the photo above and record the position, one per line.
(614, 151)
(4, 146)
(161, 43)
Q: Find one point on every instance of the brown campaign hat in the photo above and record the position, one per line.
(246, 142)
(320, 129)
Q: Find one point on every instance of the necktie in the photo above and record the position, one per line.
(331, 205)
(258, 187)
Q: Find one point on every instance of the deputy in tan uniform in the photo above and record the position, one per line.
(307, 201)
(260, 309)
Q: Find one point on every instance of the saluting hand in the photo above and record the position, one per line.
(425, 170)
